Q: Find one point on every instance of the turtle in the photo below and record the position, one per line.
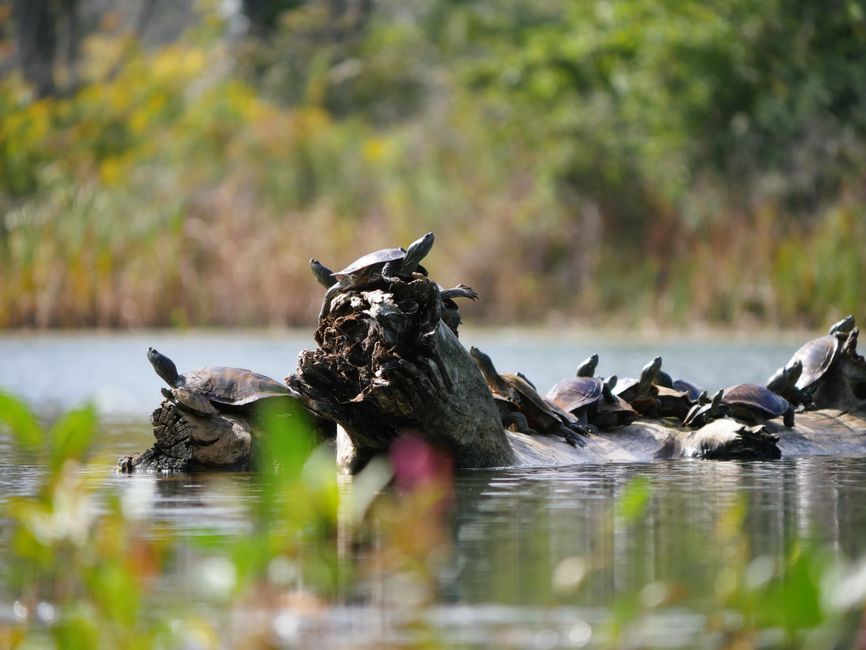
(706, 410)
(754, 403)
(818, 356)
(651, 399)
(209, 391)
(514, 394)
(591, 400)
(784, 382)
(386, 263)
(692, 390)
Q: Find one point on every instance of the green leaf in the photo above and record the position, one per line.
(633, 501)
(72, 434)
(23, 425)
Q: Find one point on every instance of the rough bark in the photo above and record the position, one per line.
(387, 365)
(185, 441)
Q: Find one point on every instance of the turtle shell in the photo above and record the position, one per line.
(528, 394)
(688, 388)
(816, 356)
(756, 397)
(233, 386)
(575, 393)
(364, 263)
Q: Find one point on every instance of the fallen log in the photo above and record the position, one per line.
(389, 363)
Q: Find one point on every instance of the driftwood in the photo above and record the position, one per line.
(185, 441)
(389, 363)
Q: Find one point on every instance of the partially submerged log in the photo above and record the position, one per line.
(185, 441)
(388, 365)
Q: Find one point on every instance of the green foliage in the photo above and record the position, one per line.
(620, 158)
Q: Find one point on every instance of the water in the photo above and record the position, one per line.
(538, 556)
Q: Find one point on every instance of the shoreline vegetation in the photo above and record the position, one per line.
(643, 165)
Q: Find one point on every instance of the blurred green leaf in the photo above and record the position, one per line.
(633, 501)
(72, 434)
(23, 426)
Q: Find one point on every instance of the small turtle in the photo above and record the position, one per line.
(692, 390)
(753, 403)
(639, 390)
(210, 390)
(651, 399)
(515, 394)
(591, 400)
(706, 410)
(386, 263)
(784, 383)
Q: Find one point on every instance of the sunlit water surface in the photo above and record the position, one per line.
(512, 530)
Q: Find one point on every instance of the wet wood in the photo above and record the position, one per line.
(388, 365)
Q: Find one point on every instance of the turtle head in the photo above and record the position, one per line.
(163, 366)
(483, 361)
(650, 370)
(843, 326)
(588, 366)
(416, 252)
(323, 274)
(792, 372)
(717, 398)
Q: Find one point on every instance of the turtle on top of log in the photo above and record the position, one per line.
(388, 363)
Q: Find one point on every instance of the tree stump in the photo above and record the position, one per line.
(388, 365)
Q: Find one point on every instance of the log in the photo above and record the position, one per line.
(185, 441)
(388, 365)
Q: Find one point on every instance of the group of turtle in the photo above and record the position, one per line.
(574, 408)
(578, 405)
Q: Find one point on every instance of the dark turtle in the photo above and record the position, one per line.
(209, 390)
(639, 390)
(591, 400)
(649, 398)
(386, 263)
(693, 391)
(753, 403)
(706, 410)
(818, 355)
(784, 383)
(517, 394)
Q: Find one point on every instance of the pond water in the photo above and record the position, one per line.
(518, 536)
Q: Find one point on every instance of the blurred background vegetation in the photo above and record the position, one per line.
(167, 162)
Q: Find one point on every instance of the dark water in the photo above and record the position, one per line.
(538, 555)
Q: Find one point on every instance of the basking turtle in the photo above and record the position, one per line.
(515, 394)
(386, 263)
(784, 383)
(651, 399)
(706, 410)
(818, 356)
(640, 390)
(753, 403)
(592, 400)
(210, 390)
(692, 390)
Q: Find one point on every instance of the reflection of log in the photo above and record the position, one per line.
(387, 365)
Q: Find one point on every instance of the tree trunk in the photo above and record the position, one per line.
(387, 365)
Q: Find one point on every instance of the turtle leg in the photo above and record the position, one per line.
(326, 303)
(570, 433)
(788, 418)
(460, 291)
(518, 420)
